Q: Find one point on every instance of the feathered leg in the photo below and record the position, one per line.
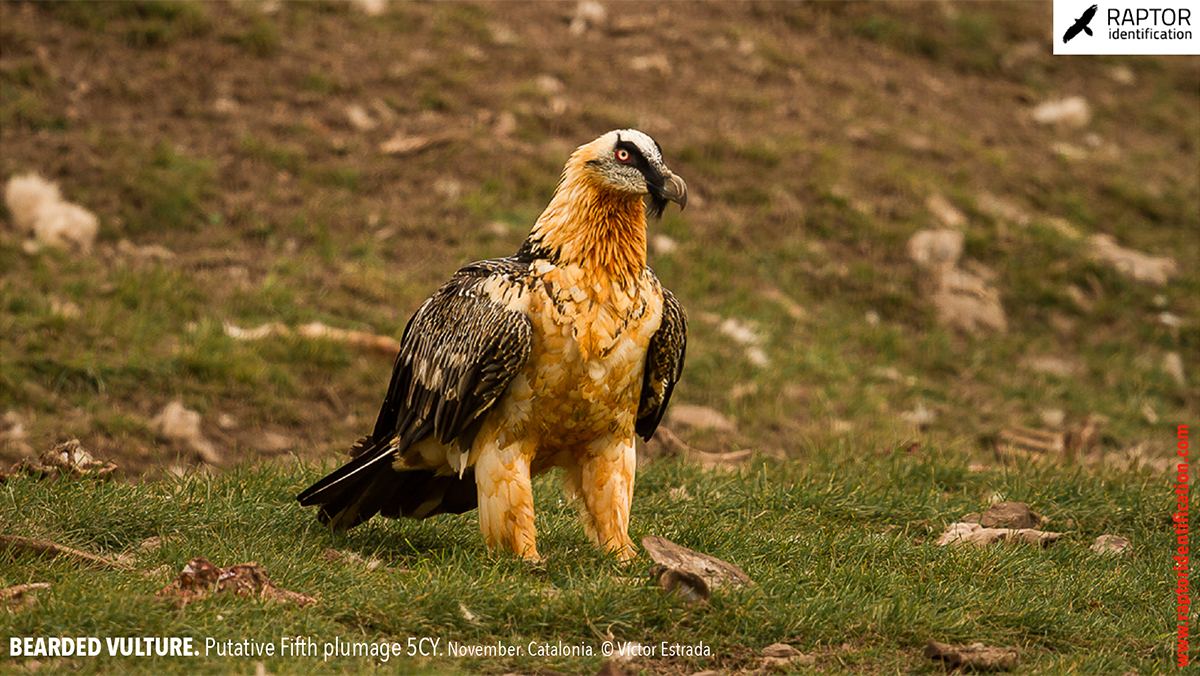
(506, 501)
(602, 482)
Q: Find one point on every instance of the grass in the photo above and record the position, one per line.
(840, 548)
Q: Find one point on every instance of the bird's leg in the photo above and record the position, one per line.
(506, 501)
(602, 482)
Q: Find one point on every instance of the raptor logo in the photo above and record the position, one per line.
(1081, 24)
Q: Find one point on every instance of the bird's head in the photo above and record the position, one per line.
(630, 162)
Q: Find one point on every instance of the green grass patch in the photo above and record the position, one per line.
(840, 549)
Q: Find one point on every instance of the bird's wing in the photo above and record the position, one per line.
(457, 355)
(664, 366)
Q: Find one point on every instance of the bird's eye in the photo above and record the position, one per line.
(622, 155)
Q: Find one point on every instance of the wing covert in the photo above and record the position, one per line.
(664, 366)
(457, 355)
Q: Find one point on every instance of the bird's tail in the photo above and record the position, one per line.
(369, 485)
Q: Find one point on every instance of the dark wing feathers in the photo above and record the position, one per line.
(664, 365)
(457, 355)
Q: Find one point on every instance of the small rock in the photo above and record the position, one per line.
(272, 442)
(588, 14)
(1051, 365)
(653, 62)
(664, 245)
(1068, 151)
(1133, 264)
(931, 248)
(506, 125)
(182, 424)
(359, 118)
(1173, 366)
(1010, 515)
(967, 301)
(225, 106)
(548, 84)
(946, 212)
(1053, 417)
(1073, 111)
(976, 656)
(920, 417)
(1002, 209)
(1111, 545)
(780, 650)
(962, 533)
(1122, 74)
(371, 7)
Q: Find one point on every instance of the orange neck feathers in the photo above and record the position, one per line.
(601, 230)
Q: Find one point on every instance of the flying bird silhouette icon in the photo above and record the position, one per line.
(1081, 24)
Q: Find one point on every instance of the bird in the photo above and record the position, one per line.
(554, 357)
(1081, 24)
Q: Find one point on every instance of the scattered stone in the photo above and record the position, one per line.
(359, 118)
(700, 417)
(962, 533)
(449, 187)
(976, 656)
(1030, 50)
(946, 212)
(503, 35)
(549, 85)
(967, 301)
(225, 106)
(689, 573)
(1073, 111)
(1136, 265)
(781, 657)
(664, 245)
(652, 62)
(181, 424)
(200, 579)
(371, 7)
(1112, 545)
(1173, 366)
(588, 14)
(505, 125)
(1149, 413)
(920, 417)
(616, 667)
(1053, 417)
(1122, 75)
(1051, 365)
(935, 248)
(1068, 151)
(272, 442)
(1010, 515)
(794, 309)
(1002, 209)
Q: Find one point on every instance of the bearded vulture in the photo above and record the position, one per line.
(553, 357)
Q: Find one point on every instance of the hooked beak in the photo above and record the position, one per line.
(675, 189)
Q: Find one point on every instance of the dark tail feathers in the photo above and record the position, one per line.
(367, 485)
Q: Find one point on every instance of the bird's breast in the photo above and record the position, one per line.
(589, 343)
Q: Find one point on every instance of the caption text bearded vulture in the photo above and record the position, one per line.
(554, 357)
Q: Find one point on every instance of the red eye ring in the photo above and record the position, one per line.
(622, 155)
